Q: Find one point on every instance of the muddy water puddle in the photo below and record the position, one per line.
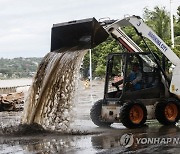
(91, 140)
(48, 144)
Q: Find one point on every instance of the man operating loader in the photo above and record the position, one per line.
(133, 80)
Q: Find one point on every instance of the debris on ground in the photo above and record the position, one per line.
(12, 101)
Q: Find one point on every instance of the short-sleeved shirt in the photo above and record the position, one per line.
(135, 78)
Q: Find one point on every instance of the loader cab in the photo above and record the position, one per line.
(119, 68)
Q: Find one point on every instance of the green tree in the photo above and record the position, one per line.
(99, 55)
(178, 13)
(18, 67)
(177, 32)
(159, 21)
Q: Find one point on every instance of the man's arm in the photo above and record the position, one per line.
(138, 78)
(117, 83)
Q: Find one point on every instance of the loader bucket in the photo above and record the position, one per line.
(82, 34)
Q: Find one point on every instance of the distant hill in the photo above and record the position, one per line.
(18, 67)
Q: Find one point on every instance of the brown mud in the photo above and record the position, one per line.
(51, 96)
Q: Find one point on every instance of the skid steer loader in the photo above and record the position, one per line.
(153, 96)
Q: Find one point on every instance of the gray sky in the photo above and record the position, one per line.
(25, 27)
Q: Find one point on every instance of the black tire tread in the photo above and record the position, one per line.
(160, 114)
(124, 115)
(95, 114)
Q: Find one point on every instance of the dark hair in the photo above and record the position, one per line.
(136, 64)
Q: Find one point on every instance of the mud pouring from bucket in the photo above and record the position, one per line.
(51, 96)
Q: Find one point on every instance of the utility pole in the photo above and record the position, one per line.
(172, 24)
(90, 66)
(90, 73)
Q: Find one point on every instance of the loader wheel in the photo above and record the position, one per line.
(168, 111)
(95, 115)
(133, 114)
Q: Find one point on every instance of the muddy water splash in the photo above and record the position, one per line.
(51, 96)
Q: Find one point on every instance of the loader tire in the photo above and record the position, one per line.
(167, 111)
(95, 114)
(133, 114)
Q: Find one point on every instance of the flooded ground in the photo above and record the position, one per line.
(87, 138)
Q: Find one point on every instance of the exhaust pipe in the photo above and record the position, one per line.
(81, 34)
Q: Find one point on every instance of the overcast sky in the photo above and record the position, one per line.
(25, 26)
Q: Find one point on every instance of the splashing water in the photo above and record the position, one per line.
(51, 96)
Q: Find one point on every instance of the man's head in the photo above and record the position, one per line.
(135, 67)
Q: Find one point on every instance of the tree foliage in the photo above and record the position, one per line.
(18, 67)
(178, 13)
(99, 55)
(159, 21)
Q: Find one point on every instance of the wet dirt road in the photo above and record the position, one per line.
(88, 138)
